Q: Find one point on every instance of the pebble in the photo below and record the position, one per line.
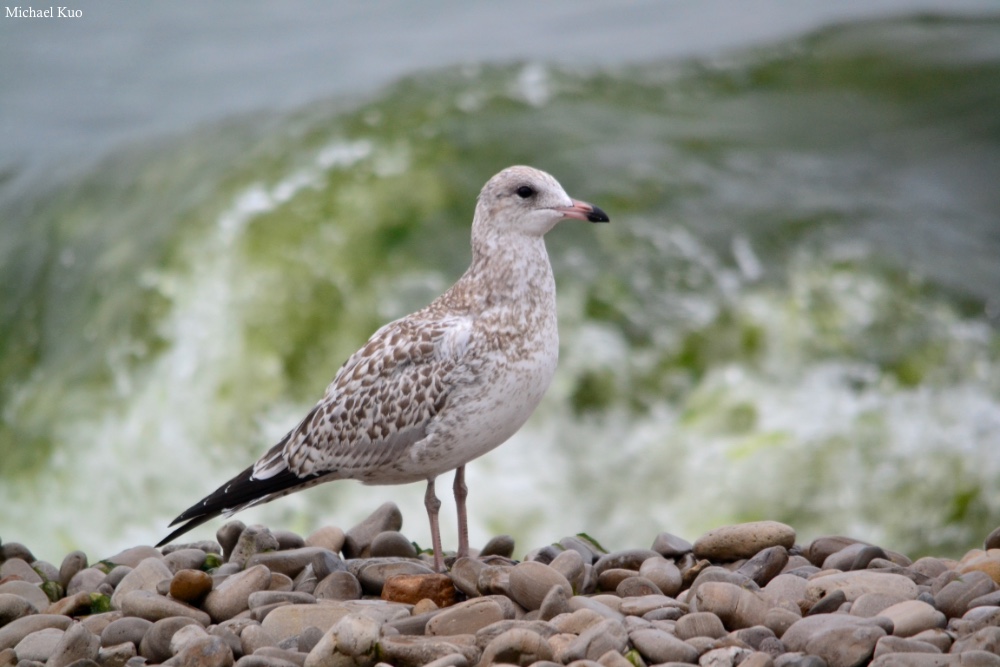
(144, 576)
(406, 651)
(129, 629)
(327, 537)
(953, 599)
(185, 559)
(153, 607)
(338, 586)
(626, 559)
(233, 595)
(76, 643)
(392, 543)
(27, 591)
(856, 584)
(465, 574)
(135, 555)
(595, 641)
(765, 565)
(358, 540)
(530, 581)
(190, 586)
(500, 545)
(412, 588)
(228, 535)
(669, 545)
(72, 563)
(39, 645)
(736, 607)
(13, 607)
(292, 561)
(465, 617)
(743, 540)
(839, 639)
(912, 617)
(86, 580)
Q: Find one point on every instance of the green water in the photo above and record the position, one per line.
(792, 315)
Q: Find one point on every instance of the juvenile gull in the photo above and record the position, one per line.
(436, 389)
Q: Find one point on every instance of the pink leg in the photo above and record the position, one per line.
(432, 504)
(461, 493)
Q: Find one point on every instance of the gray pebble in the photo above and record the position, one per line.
(155, 645)
(228, 535)
(822, 547)
(743, 540)
(338, 586)
(39, 645)
(586, 547)
(500, 545)
(16, 567)
(328, 537)
(233, 595)
(636, 586)
(129, 629)
(595, 641)
(992, 540)
(530, 581)
(263, 661)
(255, 540)
(87, 580)
(13, 607)
(143, 577)
(464, 574)
(571, 564)
(409, 651)
(663, 573)
(30, 592)
(308, 639)
(134, 555)
(841, 640)
(185, 559)
(700, 624)
(954, 598)
(736, 607)
(392, 543)
(984, 639)
(11, 550)
(669, 545)
(518, 647)
(206, 652)
(117, 655)
(71, 564)
(765, 565)
(292, 561)
(153, 607)
(358, 540)
(465, 617)
(288, 539)
(12, 633)
(627, 559)
(262, 598)
(374, 576)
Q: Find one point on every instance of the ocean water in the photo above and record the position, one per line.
(793, 314)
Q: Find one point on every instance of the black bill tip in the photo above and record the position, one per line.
(597, 215)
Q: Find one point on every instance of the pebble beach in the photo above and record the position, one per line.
(747, 594)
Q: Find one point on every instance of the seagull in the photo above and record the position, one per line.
(442, 386)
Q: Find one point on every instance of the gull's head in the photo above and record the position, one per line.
(528, 201)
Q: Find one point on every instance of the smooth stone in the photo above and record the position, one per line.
(13, 607)
(77, 643)
(517, 647)
(556, 602)
(292, 620)
(465, 618)
(133, 556)
(338, 586)
(487, 634)
(253, 541)
(499, 545)
(637, 586)
(14, 631)
(953, 599)
(86, 580)
(571, 564)
(185, 636)
(828, 604)
(530, 581)
(457, 660)
(758, 659)
(288, 539)
(787, 587)
(891, 644)
(97, 622)
(412, 588)
(117, 574)
(669, 545)
(155, 644)
(228, 535)
(494, 579)
(144, 576)
(700, 624)
(39, 645)
(585, 546)
(610, 579)
(663, 573)
(719, 574)
(327, 537)
(129, 629)
(374, 576)
(409, 651)
(984, 639)
(16, 567)
(292, 561)
(232, 596)
(868, 605)
(392, 543)
(205, 652)
(969, 659)
(578, 602)
(185, 559)
(190, 586)
(153, 607)
(840, 639)
(72, 563)
(727, 656)
(263, 661)
(598, 639)
(30, 592)
(358, 540)
(465, 573)
(855, 584)
(913, 616)
(844, 558)
(626, 559)
(11, 550)
(640, 606)
(254, 637)
(822, 547)
(744, 540)
(992, 540)
(304, 582)
(765, 565)
(117, 655)
(938, 638)
(736, 607)
(990, 564)
(263, 598)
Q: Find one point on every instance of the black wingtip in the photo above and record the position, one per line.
(597, 215)
(192, 523)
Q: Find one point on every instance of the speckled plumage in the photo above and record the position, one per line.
(432, 391)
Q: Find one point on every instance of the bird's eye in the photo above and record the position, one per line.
(524, 192)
